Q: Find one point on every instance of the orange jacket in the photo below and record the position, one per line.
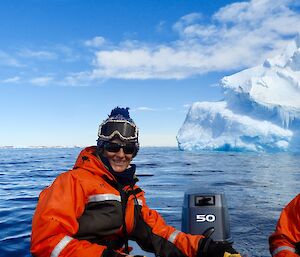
(287, 233)
(81, 214)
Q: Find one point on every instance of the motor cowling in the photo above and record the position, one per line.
(206, 213)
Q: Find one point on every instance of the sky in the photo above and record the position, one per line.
(64, 64)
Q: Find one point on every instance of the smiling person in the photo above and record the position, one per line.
(95, 208)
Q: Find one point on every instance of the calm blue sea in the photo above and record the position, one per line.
(256, 187)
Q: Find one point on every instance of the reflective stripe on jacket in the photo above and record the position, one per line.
(80, 214)
(287, 234)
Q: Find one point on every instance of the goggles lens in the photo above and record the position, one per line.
(124, 129)
(114, 147)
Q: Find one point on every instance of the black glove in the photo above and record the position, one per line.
(210, 248)
(297, 248)
(110, 253)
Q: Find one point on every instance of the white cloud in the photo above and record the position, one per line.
(8, 60)
(67, 54)
(38, 54)
(11, 80)
(84, 78)
(161, 26)
(163, 62)
(185, 21)
(144, 108)
(95, 42)
(41, 81)
(237, 36)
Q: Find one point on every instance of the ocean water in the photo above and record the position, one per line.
(256, 187)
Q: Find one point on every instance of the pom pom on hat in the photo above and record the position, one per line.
(120, 114)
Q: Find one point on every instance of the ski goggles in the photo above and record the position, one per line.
(123, 128)
(128, 148)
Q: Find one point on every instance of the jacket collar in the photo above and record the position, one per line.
(89, 161)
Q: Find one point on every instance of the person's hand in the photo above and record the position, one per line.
(210, 248)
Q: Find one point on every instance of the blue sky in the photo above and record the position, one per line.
(64, 64)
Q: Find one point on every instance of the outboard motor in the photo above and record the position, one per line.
(206, 214)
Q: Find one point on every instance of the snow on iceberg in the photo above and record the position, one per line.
(260, 111)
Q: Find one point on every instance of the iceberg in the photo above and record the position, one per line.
(260, 110)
